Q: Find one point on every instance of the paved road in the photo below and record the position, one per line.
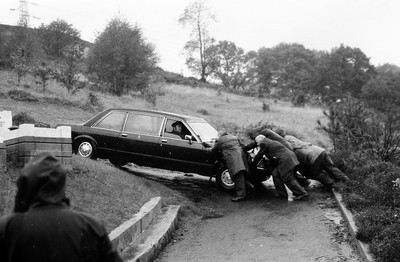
(262, 228)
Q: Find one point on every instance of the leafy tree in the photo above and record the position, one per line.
(344, 70)
(382, 92)
(68, 73)
(198, 17)
(296, 73)
(288, 67)
(57, 35)
(265, 67)
(43, 73)
(229, 64)
(121, 59)
(19, 63)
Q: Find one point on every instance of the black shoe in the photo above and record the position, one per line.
(237, 199)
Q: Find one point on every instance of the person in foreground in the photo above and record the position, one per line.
(230, 149)
(43, 227)
(283, 174)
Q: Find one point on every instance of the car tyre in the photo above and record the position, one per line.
(117, 162)
(224, 180)
(86, 149)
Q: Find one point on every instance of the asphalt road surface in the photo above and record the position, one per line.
(262, 228)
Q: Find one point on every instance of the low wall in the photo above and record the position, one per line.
(21, 145)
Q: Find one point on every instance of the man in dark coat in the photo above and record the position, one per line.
(316, 162)
(268, 133)
(230, 149)
(43, 227)
(283, 174)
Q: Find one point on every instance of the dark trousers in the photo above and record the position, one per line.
(239, 180)
(324, 163)
(319, 175)
(290, 181)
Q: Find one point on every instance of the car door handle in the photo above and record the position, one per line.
(164, 141)
(124, 135)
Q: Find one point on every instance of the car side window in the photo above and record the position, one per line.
(143, 124)
(113, 121)
(176, 129)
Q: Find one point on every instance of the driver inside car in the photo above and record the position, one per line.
(178, 129)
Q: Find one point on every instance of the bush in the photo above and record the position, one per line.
(22, 118)
(259, 126)
(372, 184)
(20, 95)
(381, 227)
(265, 107)
(300, 100)
(372, 222)
(386, 245)
(203, 112)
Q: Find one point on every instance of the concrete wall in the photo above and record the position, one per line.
(21, 145)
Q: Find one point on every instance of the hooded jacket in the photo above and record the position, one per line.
(43, 227)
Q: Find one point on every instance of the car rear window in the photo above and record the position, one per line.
(113, 121)
(143, 124)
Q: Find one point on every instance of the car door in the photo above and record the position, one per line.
(183, 154)
(140, 136)
(107, 131)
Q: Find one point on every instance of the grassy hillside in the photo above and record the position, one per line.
(113, 195)
(56, 106)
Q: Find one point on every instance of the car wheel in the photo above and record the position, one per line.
(86, 149)
(224, 180)
(117, 162)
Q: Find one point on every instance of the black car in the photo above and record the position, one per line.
(152, 138)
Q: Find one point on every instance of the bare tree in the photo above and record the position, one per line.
(197, 16)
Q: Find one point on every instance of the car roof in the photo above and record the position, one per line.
(148, 111)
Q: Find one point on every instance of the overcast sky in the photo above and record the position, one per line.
(371, 25)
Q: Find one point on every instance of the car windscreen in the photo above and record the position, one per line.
(204, 130)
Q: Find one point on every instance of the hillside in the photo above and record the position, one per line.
(121, 193)
(7, 30)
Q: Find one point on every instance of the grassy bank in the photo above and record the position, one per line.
(100, 189)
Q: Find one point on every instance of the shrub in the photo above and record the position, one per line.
(92, 103)
(259, 126)
(381, 227)
(299, 100)
(93, 99)
(372, 221)
(353, 126)
(203, 112)
(230, 128)
(20, 95)
(386, 245)
(154, 89)
(372, 184)
(22, 118)
(265, 107)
